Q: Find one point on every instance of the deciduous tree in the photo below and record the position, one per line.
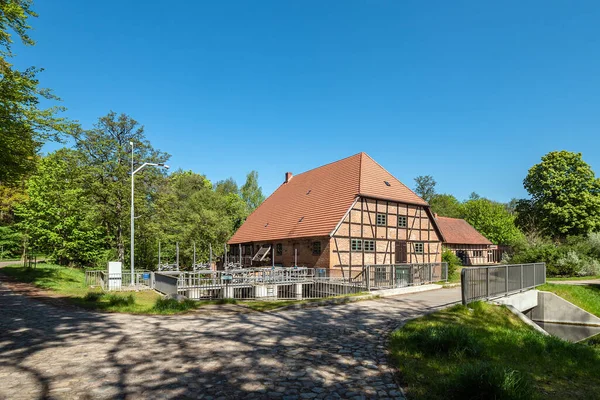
(565, 195)
(24, 124)
(492, 220)
(106, 151)
(251, 192)
(446, 205)
(57, 217)
(425, 187)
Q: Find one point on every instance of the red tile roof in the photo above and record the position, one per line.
(312, 203)
(459, 231)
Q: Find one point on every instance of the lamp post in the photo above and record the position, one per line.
(133, 172)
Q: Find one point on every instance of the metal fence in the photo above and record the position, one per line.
(401, 275)
(166, 283)
(142, 280)
(271, 283)
(484, 283)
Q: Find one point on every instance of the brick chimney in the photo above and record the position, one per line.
(288, 177)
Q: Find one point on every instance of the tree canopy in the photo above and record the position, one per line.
(425, 187)
(565, 196)
(492, 220)
(446, 205)
(252, 193)
(24, 124)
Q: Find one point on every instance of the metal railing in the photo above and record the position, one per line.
(401, 275)
(166, 283)
(142, 280)
(484, 283)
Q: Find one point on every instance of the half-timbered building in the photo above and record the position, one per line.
(466, 242)
(346, 214)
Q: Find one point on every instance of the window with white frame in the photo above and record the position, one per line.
(356, 245)
(369, 245)
(402, 222)
(477, 253)
(382, 219)
(419, 248)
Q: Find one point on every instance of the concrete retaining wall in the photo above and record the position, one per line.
(555, 309)
(521, 301)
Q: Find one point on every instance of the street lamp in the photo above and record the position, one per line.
(133, 172)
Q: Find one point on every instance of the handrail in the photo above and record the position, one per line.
(488, 282)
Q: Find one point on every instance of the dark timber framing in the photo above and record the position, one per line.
(365, 227)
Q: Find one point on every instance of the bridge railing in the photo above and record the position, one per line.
(485, 283)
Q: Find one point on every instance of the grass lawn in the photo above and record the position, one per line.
(584, 296)
(575, 278)
(488, 353)
(70, 283)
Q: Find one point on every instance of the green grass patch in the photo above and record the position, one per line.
(487, 353)
(574, 278)
(70, 282)
(584, 296)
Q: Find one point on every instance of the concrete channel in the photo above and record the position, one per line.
(554, 314)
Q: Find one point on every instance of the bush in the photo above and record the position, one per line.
(120, 301)
(589, 267)
(569, 264)
(93, 296)
(172, 305)
(446, 340)
(453, 261)
(484, 381)
(593, 241)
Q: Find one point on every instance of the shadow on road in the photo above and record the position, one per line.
(326, 352)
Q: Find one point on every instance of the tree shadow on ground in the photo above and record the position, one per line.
(326, 352)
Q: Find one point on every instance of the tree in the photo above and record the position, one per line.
(189, 210)
(106, 151)
(24, 125)
(252, 193)
(228, 186)
(446, 205)
(492, 220)
(54, 218)
(565, 195)
(425, 187)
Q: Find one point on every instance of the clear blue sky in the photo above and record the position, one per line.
(473, 92)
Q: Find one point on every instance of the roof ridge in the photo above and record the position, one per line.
(325, 165)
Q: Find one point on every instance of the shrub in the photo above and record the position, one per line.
(446, 340)
(93, 296)
(593, 241)
(589, 267)
(569, 264)
(484, 381)
(168, 305)
(120, 301)
(453, 261)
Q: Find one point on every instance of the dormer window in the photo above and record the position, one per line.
(387, 183)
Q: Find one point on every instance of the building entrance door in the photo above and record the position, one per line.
(401, 252)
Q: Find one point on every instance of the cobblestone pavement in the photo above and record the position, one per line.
(49, 352)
